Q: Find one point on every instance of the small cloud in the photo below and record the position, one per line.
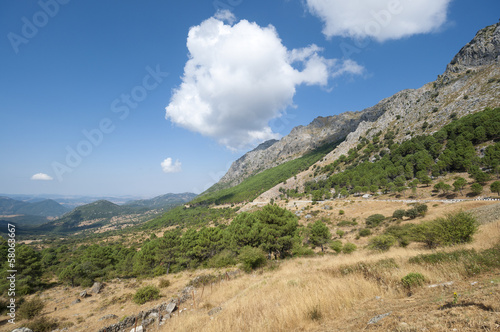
(42, 177)
(225, 16)
(169, 167)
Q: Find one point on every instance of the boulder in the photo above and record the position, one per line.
(137, 329)
(171, 307)
(22, 329)
(96, 287)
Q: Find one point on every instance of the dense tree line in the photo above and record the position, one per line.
(271, 232)
(395, 167)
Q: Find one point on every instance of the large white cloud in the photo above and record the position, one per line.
(168, 166)
(240, 76)
(42, 177)
(379, 19)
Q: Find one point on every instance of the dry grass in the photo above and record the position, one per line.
(311, 294)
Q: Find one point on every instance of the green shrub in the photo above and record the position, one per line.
(365, 232)
(349, 248)
(347, 223)
(413, 279)
(374, 220)
(459, 228)
(145, 294)
(341, 212)
(411, 213)
(336, 246)
(31, 308)
(252, 258)
(223, 259)
(340, 232)
(454, 229)
(398, 214)
(43, 324)
(382, 242)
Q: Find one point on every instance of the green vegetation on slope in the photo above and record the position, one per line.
(253, 186)
(381, 164)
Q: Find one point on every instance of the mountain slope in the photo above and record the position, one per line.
(470, 83)
(301, 140)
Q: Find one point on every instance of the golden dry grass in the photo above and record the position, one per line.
(308, 294)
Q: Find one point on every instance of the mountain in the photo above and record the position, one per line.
(301, 140)
(161, 202)
(104, 215)
(44, 208)
(87, 216)
(470, 83)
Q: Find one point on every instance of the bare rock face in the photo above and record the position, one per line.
(483, 50)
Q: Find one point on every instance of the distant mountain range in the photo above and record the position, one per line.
(43, 208)
(95, 215)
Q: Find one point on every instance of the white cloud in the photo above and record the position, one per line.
(379, 19)
(169, 167)
(239, 77)
(42, 177)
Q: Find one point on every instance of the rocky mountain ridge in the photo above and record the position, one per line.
(301, 140)
(470, 83)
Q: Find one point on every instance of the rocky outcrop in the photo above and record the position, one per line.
(483, 50)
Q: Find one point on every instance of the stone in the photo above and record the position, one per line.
(83, 294)
(137, 329)
(376, 319)
(110, 316)
(96, 287)
(22, 329)
(171, 307)
(214, 311)
(76, 301)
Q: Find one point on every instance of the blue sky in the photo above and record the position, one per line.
(145, 98)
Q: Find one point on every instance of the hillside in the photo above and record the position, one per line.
(470, 84)
(103, 215)
(44, 208)
(162, 202)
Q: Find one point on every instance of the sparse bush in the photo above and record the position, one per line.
(365, 232)
(145, 294)
(43, 324)
(31, 308)
(412, 280)
(382, 242)
(454, 229)
(336, 246)
(398, 214)
(340, 232)
(164, 283)
(374, 220)
(349, 248)
(347, 223)
(411, 213)
(252, 258)
(315, 313)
